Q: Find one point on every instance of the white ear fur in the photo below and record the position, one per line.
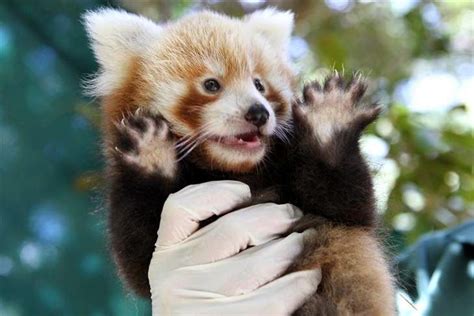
(274, 25)
(115, 37)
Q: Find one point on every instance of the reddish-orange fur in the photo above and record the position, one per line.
(134, 93)
(188, 109)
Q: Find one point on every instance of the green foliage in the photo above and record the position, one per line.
(53, 256)
(436, 164)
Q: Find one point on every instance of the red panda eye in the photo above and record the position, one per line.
(212, 85)
(258, 84)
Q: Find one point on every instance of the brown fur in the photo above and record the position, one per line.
(279, 104)
(354, 271)
(189, 108)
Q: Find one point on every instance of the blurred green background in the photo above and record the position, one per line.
(53, 255)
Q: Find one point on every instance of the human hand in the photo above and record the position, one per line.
(208, 271)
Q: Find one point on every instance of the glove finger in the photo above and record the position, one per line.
(184, 209)
(236, 231)
(280, 297)
(246, 271)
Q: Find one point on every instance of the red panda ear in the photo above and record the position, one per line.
(274, 25)
(115, 37)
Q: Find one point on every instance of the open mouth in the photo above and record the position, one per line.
(246, 141)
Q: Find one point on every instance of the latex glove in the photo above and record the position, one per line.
(205, 272)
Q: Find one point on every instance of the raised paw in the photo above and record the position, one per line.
(144, 140)
(336, 106)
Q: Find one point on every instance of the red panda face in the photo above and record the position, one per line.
(229, 93)
(224, 85)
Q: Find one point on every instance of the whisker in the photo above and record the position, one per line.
(185, 140)
(194, 145)
(188, 152)
(185, 148)
(283, 131)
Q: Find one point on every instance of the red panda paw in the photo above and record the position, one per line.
(144, 141)
(335, 107)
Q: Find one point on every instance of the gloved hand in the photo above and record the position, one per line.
(206, 271)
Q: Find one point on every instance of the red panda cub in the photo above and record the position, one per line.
(210, 97)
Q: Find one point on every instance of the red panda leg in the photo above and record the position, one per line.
(355, 277)
(334, 182)
(142, 172)
(330, 177)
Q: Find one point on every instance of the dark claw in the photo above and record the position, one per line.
(333, 81)
(308, 95)
(124, 142)
(137, 123)
(358, 91)
(369, 115)
(316, 86)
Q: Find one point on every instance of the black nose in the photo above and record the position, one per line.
(257, 115)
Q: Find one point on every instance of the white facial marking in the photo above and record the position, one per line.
(168, 94)
(226, 116)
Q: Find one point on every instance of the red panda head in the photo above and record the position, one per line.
(225, 85)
